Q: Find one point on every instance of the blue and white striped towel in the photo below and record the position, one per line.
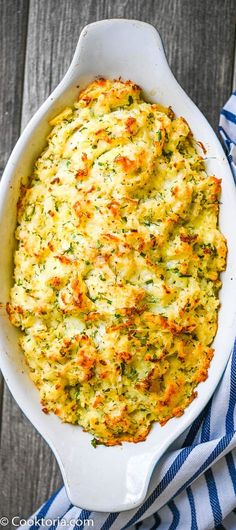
(227, 128)
(194, 485)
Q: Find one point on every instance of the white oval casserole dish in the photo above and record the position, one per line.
(112, 478)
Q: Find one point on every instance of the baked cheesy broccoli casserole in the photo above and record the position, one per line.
(117, 267)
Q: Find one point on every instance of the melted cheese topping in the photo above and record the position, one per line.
(117, 266)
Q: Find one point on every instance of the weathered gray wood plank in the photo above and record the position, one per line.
(202, 62)
(13, 24)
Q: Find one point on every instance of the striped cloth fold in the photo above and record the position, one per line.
(227, 129)
(194, 485)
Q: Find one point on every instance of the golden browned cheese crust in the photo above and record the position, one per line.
(117, 268)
